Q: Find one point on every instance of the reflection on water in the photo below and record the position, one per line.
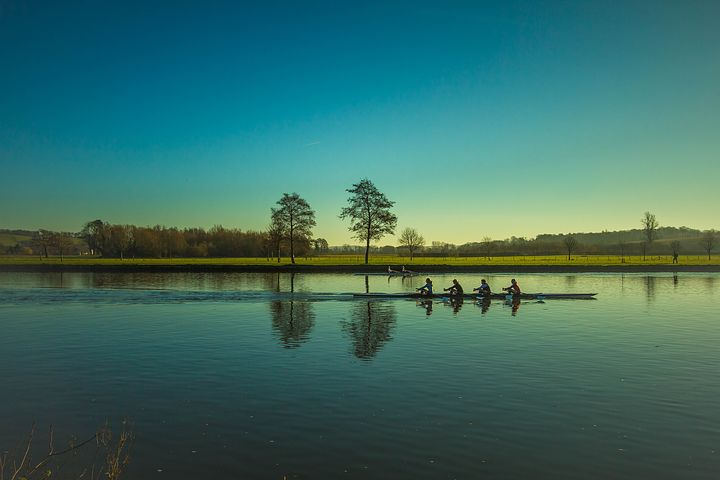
(427, 305)
(484, 305)
(514, 304)
(370, 327)
(292, 321)
(650, 288)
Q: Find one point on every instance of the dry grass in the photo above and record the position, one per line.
(107, 461)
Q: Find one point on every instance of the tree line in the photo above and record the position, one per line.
(290, 234)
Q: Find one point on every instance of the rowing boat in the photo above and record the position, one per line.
(496, 296)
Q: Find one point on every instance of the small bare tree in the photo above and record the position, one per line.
(650, 226)
(412, 240)
(623, 246)
(709, 240)
(487, 246)
(570, 243)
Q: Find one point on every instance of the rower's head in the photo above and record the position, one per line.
(483, 281)
(427, 280)
(513, 281)
(455, 281)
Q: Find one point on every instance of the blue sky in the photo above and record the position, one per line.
(477, 118)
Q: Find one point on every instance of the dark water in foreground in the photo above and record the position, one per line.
(228, 376)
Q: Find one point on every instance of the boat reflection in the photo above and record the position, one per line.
(370, 327)
(292, 322)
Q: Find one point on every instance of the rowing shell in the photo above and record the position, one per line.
(497, 296)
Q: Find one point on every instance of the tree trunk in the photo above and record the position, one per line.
(367, 250)
(292, 246)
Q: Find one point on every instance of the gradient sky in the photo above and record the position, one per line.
(477, 118)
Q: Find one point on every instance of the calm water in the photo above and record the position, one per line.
(230, 376)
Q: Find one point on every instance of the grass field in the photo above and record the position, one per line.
(394, 261)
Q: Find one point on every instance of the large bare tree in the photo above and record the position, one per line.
(650, 226)
(412, 240)
(369, 213)
(295, 217)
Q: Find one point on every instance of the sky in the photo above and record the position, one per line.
(478, 119)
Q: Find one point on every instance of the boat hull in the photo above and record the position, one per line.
(475, 296)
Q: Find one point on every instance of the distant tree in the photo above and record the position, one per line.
(570, 243)
(62, 242)
(94, 234)
(275, 234)
(623, 246)
(369, 213)
(296, 218)
(675, 249)
(709, 240)
(173, 242)
(118, 239)
(487, 246)
(650, 226)
(412, 240)
(42, 240)
(320, 245)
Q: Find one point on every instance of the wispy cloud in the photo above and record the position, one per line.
(311, 144)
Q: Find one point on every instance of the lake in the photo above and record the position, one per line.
(233, 376)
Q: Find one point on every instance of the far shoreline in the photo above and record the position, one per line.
(355, 269)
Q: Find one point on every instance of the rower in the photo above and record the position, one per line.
(426, 290)
(391, 271)
(513, 289)
(484, 289)
(455, 288)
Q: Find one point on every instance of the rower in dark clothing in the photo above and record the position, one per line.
(484, 289)
(426, 290)
(513, 289)
(455, 288)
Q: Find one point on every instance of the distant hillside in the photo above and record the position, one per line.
(627, 236)
(10, 238)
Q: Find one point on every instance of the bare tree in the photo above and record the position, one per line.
(369, 213)
(650, 226)
(412, 240)
(487, 246)
(570, 243)
(709, 240)
(296, 218)
(62, 242)
(275, 233)
(623, 246)
(43, 239)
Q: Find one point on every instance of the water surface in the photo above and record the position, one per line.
(259, 376)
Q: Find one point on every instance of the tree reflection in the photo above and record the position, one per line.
(292, 322)
(370, 327)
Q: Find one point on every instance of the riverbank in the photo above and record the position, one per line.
(354, 269)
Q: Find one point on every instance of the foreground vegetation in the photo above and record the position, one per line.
(395, 261)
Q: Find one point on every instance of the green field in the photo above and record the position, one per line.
(394, 261)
